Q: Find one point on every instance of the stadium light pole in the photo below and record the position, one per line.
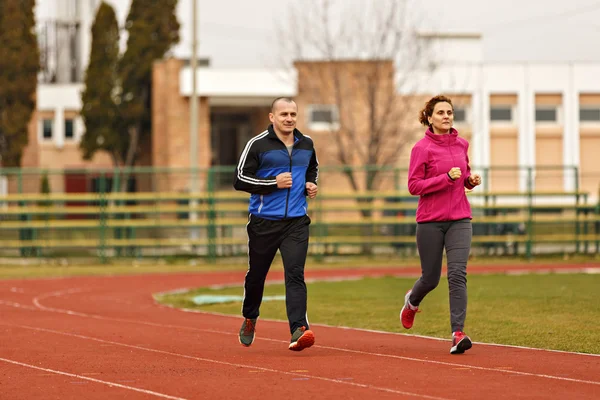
(194, 121)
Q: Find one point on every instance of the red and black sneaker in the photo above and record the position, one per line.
(460, 343)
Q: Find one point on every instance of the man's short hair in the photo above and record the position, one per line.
(286, 99)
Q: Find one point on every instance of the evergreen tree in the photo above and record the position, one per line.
(99, 110)
(19, 65)
(152, 31)
(117, 100)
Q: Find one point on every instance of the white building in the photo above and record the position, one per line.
(526, 114)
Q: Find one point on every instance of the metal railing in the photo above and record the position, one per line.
(107, 224)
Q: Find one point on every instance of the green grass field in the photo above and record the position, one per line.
(556, 311)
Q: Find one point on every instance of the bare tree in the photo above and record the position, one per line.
(358, 56)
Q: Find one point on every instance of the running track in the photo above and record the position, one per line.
(105, 338)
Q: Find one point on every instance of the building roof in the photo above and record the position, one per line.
(239, 82)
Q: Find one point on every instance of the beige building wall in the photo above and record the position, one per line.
(589, 163)
(43, 154)
(589, 139)
(549, 147)
(504, 149)
(30, 153)
(171, 129)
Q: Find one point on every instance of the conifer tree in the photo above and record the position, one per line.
(117, 121)
(99, 111)
(19, 65)
(152, 32)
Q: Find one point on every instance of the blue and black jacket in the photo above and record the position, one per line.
(266, 156)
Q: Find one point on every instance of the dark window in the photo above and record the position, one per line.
(69, 133)
(589, 114)
(460, 115)
(501, 114)
(546, 115)
(47, 129)
(322, 116)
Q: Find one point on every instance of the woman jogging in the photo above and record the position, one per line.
(439, 172)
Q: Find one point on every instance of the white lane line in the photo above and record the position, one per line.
(332, 380)
(18, 305)
(36, 300)
(498, 370)
(111, 384)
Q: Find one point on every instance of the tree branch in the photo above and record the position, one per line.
(362, 60)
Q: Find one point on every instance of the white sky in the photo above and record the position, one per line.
(239, 33)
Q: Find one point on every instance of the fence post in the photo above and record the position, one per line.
(25, 234)
(529, 244)
(212, 228)
(486, 179)
(116, 189)
(102, 218)
(577, 214)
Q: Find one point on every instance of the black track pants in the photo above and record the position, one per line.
(265, 237)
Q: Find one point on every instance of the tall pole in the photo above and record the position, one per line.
(194, 120)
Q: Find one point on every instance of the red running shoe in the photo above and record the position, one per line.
(460, 343)
(407, 314)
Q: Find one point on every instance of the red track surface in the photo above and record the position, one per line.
(105, 338)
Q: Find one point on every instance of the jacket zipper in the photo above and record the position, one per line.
(287, 197)
(452, 187)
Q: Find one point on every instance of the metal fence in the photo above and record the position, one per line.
(85, 214)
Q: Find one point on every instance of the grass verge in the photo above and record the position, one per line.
(555, 311)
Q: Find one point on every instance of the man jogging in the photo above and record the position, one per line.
(279, 168)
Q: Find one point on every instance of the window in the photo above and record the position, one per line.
(546, 114)
(69, 132)
(460, 115)
(322, 117)
(47, 129)
(589, 114)
(325, 116)
(501, 113)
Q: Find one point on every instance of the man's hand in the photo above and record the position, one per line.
(312, 190)
(284, 180)
(475, 180)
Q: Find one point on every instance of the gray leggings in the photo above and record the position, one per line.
(432, 238)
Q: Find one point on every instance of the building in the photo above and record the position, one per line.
(526, 114)
(544, 116)
(517, 115)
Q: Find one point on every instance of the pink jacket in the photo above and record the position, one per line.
(441, 198)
